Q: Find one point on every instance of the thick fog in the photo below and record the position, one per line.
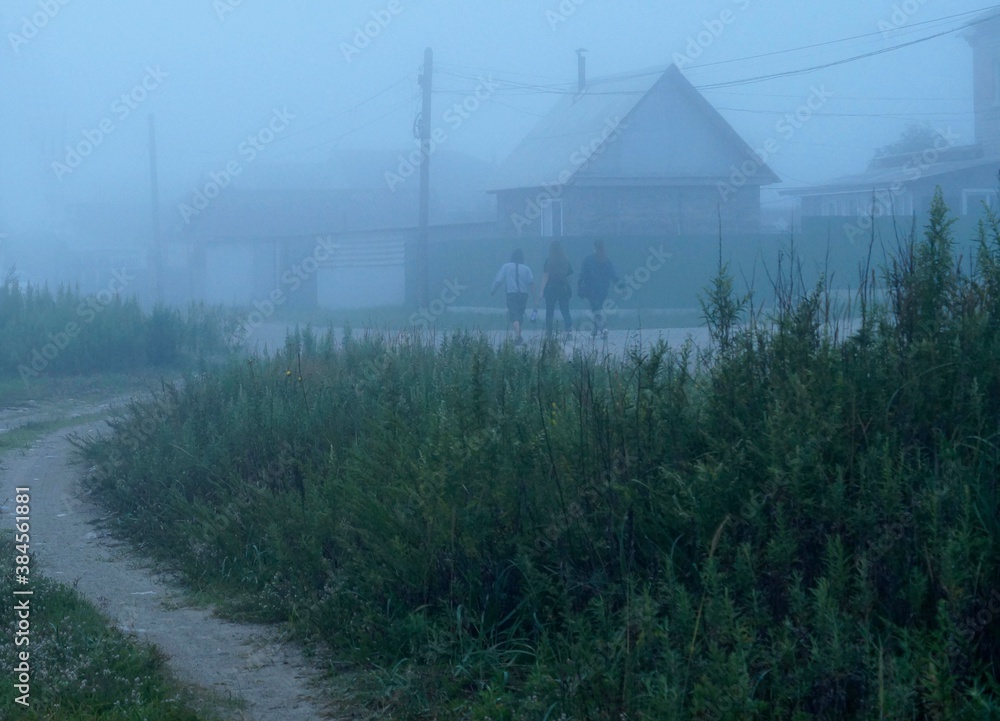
(253, 89)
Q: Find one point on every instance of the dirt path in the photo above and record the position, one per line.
(232, 661)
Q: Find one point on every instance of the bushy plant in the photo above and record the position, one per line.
(804, 527)
(66, 332)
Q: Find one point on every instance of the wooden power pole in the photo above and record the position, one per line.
(157, 255)
(421, 285)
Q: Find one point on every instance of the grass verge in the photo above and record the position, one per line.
(22, 436)
(80, 668)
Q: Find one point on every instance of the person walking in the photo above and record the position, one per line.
(518, 282)
(596, 276)
(556, 289)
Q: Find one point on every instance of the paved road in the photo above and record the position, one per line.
(271, 337)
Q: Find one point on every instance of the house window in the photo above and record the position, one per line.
(973, 199)
(552, 218)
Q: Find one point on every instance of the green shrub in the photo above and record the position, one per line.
(792, 524)
(68, 333)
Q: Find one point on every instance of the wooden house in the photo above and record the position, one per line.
(638, 154)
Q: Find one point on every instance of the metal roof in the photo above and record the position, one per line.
(578, 120)
(899, 176)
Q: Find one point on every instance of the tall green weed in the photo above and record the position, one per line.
(796, 524)
(65, 332)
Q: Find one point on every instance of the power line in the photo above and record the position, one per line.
(955, 115)
(326, 121)
(866, 99)
(337, 116)
(912, 27)
(385, 115)
(512, 87)
(568, 88)
(480, 68)
(823, 66)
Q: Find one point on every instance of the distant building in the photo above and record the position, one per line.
(904, 184)
(329, 235)
(637, 154)
(261, 246)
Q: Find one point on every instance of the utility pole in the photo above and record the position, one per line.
(157, 255)
(422, 294)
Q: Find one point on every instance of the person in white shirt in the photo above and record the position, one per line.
(519, 282)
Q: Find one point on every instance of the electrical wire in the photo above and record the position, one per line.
(569, 88)
(910, 28)
(823, 66)
(392, 111)
(326, 121)
(514, 87)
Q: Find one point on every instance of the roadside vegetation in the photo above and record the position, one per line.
(797, 523)
(51, 334)
(81, 668)
(59, 345)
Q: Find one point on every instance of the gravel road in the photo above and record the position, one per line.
(267, 679)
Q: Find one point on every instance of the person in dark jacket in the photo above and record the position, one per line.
(596, 276)
(555, 287)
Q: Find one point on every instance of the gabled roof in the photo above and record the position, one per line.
(578, 120)
(983, 24)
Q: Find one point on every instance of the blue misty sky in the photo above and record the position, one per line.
(216, 70)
